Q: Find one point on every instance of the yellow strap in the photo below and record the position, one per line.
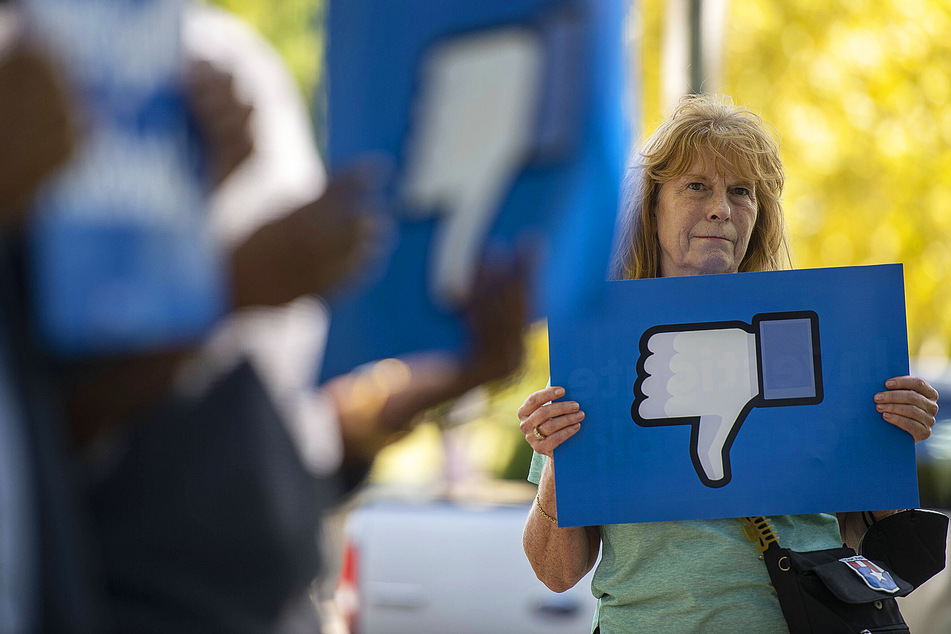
(760, 531)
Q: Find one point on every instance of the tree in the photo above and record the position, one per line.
(860, 95)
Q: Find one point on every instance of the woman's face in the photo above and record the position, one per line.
(704, 220)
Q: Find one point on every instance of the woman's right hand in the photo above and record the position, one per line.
(547, 423)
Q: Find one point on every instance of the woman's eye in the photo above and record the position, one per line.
(695, 186)
(741, 191)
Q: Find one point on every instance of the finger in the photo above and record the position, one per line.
(548, 412)
(907, 397)
(918, 430)
(914, 383)
(369, 174)
(231, 120)
(204, 78)
(557, 423)
(378, 241)
(200, 69)
(347, 199)
(539, 398)
(544, 414)
(907, 411)
(355, 237)
(209, 99)
(549, 444)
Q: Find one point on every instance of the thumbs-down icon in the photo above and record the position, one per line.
(472, 134)
(711, 375)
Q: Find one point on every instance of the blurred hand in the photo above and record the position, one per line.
(37, 129)
(909, 403)
(223, 120)
(317, 247)
(377, 403)
(104, 395)
(554, 421)
(496, 313)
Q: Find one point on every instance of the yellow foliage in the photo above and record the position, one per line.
(293, 27)
(860, 93)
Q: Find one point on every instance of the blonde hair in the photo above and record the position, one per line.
(742, 143)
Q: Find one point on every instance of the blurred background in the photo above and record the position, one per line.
(860, 93)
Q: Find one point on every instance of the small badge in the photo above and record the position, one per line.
(874, 576)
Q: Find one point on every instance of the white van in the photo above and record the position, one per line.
(442, 565)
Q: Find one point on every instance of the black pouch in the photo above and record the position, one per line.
(834, 590)
(912, 543)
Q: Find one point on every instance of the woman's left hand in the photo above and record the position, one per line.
(909, 403)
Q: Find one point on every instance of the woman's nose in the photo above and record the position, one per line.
(719, 206)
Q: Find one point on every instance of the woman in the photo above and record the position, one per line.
(705, 200)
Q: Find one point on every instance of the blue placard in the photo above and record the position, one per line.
(120, 252)
(734, 395)
(506, 118)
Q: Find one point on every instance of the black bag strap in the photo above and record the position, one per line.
(760, 531)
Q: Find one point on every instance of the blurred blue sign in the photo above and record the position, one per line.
(120, 252)
(506, 119)
(734, 395)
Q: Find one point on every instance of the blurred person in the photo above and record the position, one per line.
(104, 396)
(206, 495)
(283, 342)
(706, 199)
(250, 498)
(48, 578)
(49, 563)
(56, 588)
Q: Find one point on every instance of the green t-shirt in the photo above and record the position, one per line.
(693, 576)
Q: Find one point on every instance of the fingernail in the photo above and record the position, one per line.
(573, 405)
(560, 391)
(879, 397)
(880, 408)
(890, 383)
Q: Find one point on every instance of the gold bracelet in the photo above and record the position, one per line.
(547, 516)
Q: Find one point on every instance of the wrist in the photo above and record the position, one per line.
(545, 514)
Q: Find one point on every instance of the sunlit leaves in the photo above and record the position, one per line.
(292, 26)
(860, 93)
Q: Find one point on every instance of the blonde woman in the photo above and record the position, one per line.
(705, 199)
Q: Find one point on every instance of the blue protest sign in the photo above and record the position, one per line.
(505, 118)
(734, 395)
(119, 249)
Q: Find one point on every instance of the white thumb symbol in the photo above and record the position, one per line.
(710, 376)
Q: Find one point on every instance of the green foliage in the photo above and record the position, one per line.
(860, 95)
(859, 92)
(295, 29)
